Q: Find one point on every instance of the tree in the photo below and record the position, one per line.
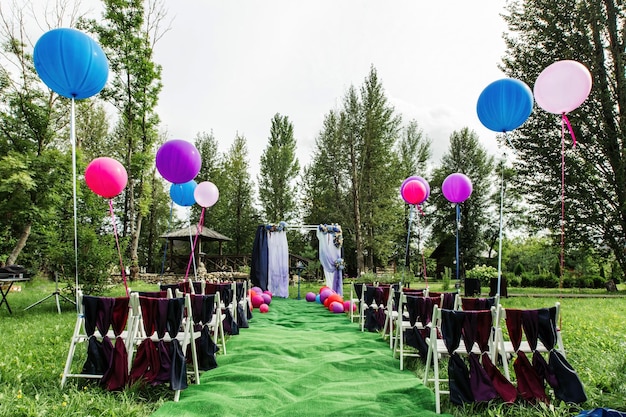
(353, 176)
(278, 170)
(542, 32)
(212, 161)
(234, 212)
(127, 34)
(467, 156)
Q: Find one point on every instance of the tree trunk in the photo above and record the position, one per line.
(21, 242)
(360, 262)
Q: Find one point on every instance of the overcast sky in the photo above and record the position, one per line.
(229, 66)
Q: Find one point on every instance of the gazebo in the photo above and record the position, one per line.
(179, 252)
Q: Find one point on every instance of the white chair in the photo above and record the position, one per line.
(100, 318)
(165, 323)
(450, 345)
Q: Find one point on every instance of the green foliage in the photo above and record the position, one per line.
(234, 214)
(519, 269)
(278, 170)
(446, 277)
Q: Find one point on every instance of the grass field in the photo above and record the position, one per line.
(34, 346)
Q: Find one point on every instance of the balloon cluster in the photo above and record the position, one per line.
(260, 299)
(333, 301)
(178, 161)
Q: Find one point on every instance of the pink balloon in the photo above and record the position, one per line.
(257, 300)
(264, 308)
(456, 188)
(562, 86)
(420, 179)
(414, 192)
(206, 194)
(106, 177)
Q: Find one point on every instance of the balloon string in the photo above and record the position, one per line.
(565, 120)
(562, 260)
(117, 243)
(169, 223)
(193, 247)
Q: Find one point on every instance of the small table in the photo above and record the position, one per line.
(7, 280)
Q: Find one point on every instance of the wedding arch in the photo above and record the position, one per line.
(270, 256)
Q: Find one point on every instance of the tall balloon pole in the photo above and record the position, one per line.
(560, 88)
(500, 231)
(414, 191)
(504, 105)
(74, 198)
(457, 188)
(74, 66)
(458, 227)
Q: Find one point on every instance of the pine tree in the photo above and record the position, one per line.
(279, 168)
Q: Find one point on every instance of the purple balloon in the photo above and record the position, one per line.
(178, 161)
(325, 294)
(336, 307)
(267, 298)
(310, 297)
(456, 188)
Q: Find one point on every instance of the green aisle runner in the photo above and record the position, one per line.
(301, 360)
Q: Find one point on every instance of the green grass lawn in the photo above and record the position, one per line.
(34, 346)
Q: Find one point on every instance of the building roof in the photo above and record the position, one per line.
(185, 232)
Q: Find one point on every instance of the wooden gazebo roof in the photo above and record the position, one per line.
(206, 234)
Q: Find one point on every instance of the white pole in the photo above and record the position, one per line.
(73, 142)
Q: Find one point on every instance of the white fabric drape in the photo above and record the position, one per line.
(278, 264)
(329, 253)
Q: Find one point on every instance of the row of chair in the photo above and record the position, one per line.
(153, 336)
(431, 326)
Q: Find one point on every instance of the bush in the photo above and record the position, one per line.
(512, 279)
(483, 272)
(518, 270)
(527, 280)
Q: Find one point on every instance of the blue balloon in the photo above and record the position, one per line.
(504, 105)
(182, 194)
(70, 63)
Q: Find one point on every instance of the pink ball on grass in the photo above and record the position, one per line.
(268, 292)
(267, 299)
(310, 297)
(336, 307)
(264, 308)
(257, 300)
(346, 305)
